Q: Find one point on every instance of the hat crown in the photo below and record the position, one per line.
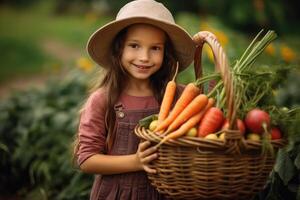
(145, 8)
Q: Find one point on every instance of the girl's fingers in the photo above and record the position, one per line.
(145, 150)
(149, 152)
(144, 145)
(149, 170)
(148, 159)
(146, 154)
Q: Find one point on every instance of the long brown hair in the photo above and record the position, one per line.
(115, 77)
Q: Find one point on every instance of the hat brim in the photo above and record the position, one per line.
(99, 43)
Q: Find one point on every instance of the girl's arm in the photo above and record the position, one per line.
(114, 164)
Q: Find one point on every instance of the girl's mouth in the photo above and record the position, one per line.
(143, 66)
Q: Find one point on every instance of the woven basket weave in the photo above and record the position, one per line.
(197, 168)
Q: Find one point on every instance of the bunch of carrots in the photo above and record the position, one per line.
(195, 110)
(191, 109)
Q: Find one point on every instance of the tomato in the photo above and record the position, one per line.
(275, 133)
(240, 125)
(255, 119)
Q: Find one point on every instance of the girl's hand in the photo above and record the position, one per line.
(145, 154)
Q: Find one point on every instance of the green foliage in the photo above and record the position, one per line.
(37, 129)
(24, 35)
(19, 3)
(284, 182)
(285, 162)
(21, 56)
(288, 93)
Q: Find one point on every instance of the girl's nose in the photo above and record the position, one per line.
(144, 55)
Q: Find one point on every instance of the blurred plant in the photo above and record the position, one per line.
(288, 93)
(288, 55)
(36, 130)
(284, 181)
(19, 3)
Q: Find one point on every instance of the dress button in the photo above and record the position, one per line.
(120, 114)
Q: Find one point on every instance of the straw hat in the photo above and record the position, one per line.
(141, 11)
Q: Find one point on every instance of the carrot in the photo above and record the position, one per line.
(196, 105)
(168, 98)
(189, 123)
(211, 122)
(188, 94)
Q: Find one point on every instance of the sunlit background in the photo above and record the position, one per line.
(45, 74)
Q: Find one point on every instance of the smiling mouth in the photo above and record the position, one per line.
(143, 66)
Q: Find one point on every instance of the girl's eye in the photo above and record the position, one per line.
(134, 46)
(156, 48)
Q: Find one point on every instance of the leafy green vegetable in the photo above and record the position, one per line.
(145, 122)
(284, 166)
(36, 131)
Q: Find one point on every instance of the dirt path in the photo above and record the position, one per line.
(54, 48)
(61, 51)
(21, 83)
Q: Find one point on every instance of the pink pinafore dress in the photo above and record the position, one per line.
(126, 186)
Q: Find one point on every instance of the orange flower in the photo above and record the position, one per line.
(222, 37)
(209, 53)
(270, 50)
(85, 64)
(288, 55)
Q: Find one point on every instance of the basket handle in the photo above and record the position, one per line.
(221, 65)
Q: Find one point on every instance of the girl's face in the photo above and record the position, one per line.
(143, 51)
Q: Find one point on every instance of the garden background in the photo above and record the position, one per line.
(45, 76)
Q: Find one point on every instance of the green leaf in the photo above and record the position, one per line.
(284, 166)
(298, 193)
(297, 161)
(4, 148)
(145, 122)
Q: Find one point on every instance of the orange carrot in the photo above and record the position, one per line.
(211, 122)
(168, 98)
(196, 105)
(188, 94)
(193, 121)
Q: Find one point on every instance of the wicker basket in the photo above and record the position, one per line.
(197, 168)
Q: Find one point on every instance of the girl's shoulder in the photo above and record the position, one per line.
(97, 99)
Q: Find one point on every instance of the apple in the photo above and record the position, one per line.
(255, 119)
(275, 133)
(192, 132)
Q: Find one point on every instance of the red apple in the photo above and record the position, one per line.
(255, 119)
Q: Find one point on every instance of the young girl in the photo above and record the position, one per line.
(139, 51)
